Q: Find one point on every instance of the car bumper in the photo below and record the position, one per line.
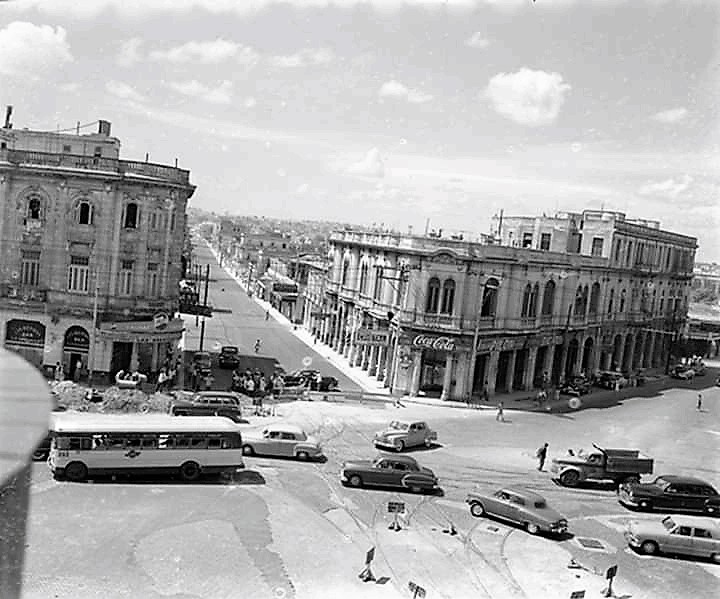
(627, 501)
(383, 443)
(632, 540)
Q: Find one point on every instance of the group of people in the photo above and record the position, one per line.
(256, 384)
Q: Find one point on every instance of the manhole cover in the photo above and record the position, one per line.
(590, 543)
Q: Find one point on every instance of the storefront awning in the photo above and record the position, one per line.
(142, 331)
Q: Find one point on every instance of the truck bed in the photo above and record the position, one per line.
(627, 460)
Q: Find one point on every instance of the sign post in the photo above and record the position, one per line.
(395, 508)
(366, 575)
(610, 574)
(417, 591)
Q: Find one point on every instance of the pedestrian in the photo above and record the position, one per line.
(699, 402)
(267, 314)
(58, 371)
(499, 416)
(250, 386)
(541, 455)
(617, 385)
(162, 377)
(258, 343)
(485, 393)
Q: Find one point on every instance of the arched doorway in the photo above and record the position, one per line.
(617, 349)
(587, 358)
(572, 356)
(26, 337)
(76, 349)
(647, 358)
(627, 353)
(637, 354)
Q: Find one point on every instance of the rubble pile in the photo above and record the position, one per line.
(71, 396)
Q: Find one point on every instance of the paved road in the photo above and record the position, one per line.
(239, 321)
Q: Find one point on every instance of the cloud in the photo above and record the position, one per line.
(395, 89)
(123, 91)
(250, 102)
(210, 52)
(370, 166)
(669, 188)
(129, 53)
(477, 40)
(194, 89)
(528, 97)
(303, 58)
(674, 115)
(31, 51)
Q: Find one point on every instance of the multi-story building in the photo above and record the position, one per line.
(453, 317)
(706, 281)
(91, 250)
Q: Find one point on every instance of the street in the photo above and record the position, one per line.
(289, 529)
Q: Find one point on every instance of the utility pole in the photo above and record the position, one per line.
(91, 357)
(249, 277)
(673, 338)
(202, 325)
(393, 368)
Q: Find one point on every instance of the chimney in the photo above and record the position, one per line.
(8, 115)
(104, 128)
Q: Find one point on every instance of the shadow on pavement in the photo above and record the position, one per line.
(244, 477)
(389, 489)
(590, 485)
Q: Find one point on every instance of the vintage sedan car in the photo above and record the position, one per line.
(282, 440)
(210, 403)
(520, 506)
(389, 471)
(683, 535)
(668, 492)
(400, 435)
(309, 378)
(683, 373)
(229, 357)
(608, 379)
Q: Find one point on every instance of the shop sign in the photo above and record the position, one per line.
(284, 288)
(160, 320)
(440, 343)
(77, 338)
(371, 337)
(25, 332)
(26, 295)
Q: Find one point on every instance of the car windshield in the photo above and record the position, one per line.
(400, 426)
(541, 505)
(661, 482)
(230, 350)
(669, 523)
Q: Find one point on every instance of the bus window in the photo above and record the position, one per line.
(114, 442)
(165, 442)
(133, 442)
(182, 442)
(149, 442)
(227, 443)
(62, 442)
(213, 443)
(197, 443)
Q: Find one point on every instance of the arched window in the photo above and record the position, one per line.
(432, 298)
(363, 277)
(526, 301)
(377, 291)
(448, 297)
(595, 298)
(610, 301)
(131, 216)
(548, 301)
(84, 213)
(533, 304)
(622, 301)
(578, 309)
(34, 208)
(345, 270)
(489, 301)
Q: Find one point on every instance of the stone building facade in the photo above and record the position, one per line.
(88, 239)
(449, 317)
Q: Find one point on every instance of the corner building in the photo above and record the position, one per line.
(91, 250)
(449, 317)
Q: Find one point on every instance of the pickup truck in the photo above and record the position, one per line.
(400, 435)
(617, 465)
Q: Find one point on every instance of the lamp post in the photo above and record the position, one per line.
(476, 333)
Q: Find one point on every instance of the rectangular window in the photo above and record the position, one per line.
(527, 240)
(154, 221)
(78, 274)
(67, 149)
(597, 246)
(152, 280)
(98, 151)
(545, 241)
(30, 276)
(125, 281)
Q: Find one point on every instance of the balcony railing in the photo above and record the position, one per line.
(96, 163)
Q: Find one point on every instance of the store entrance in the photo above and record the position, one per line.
(432, 372)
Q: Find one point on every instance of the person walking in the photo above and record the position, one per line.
(699, 402)
(541, 455)
(499, 417)
(258, 343)
(267, 314)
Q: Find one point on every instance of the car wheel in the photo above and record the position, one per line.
(649, 547)
(76, 471)
(415, 489)
(40, 454)
(400, 446)
(570, 478)
(303, 456)
(645, 505)
(355, 481)
(190, 471)
(477, 509)
(533, 529)
(428, 443)
(715, 557)
(248, 450)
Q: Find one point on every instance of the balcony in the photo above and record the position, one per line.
(99, 164)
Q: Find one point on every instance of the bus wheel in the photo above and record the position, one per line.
(76, 471)
(190, 471)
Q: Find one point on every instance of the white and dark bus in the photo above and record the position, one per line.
(100, 444)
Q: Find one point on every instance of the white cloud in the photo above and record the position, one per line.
(669, 188)
(194, 89)
(370, 166)
(674, 115)
(210, 52)
(30, 50)
(477, 40)
(303, 58)
(528, 97)
(250, 102)
(129, 53)
(123, 91)
(395, 89)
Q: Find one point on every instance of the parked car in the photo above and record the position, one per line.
(389, 471)
(401, 435)
(576, 386)
(309, 378)
(284, 440)
(520, 506)
(229, 357)
(210, 403)
(202, 363)
(618, 465)
(684, 535)
(608, 379)
(669, 492)
(682, 372)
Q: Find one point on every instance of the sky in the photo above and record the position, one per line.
(402, 113)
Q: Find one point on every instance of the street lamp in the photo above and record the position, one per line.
(486, 297)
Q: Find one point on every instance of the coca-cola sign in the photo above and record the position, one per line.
(433, 342)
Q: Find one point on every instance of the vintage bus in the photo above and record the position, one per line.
(94, 444)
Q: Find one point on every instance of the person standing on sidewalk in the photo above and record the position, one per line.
(499, 417)
(541, 455)
(699, 402)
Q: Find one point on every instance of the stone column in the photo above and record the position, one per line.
(510, 378)
(154, 362)
(372, 368)
(366, 351)
(358, 357)
(134, 357)
(447, 378)
(651, 354)
(530, 368)
(491, 374)
(416, 372)
(382, 363)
